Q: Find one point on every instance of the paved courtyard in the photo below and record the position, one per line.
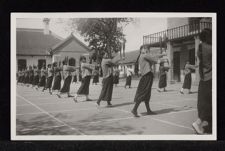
(39, 113)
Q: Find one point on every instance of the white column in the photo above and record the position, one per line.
(169, 52)
(197, 42)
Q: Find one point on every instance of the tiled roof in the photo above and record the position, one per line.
(34, 42)
(67, 40)
(131, 56)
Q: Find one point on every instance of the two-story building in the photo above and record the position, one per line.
(181, 42)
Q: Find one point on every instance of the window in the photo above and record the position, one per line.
(72, 62)
(22, 64)
(41, 63)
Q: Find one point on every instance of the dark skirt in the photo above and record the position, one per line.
(187, 81)
(35, 80)
(66, 84)
(31, 78)
(57, 83)
(49, 82)
(115, 79)
(75, 78)
(19, 80)
(95, 79)
(42, 81)
(107, 89)
(162, 81)
(205, 101)
(26, 81)
(144, 88)
(128, 81)
(22, 79)
(84, 88)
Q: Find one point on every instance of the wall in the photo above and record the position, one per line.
(33, 60)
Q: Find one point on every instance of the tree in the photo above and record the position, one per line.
(105, 35)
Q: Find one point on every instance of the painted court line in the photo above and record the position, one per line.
(60, 111)
(72, 128)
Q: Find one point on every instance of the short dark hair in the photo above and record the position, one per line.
(206, 35)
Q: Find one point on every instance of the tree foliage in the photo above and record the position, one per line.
(105, 35)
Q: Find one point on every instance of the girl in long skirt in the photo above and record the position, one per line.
(75, 78)
(107, 83)
(31, 75)
(36, 77)
(86, 77)
(203, 125)
(67, 75)
(128, 78)
(57, 79)
(187, 77)
(49, 78)
(42, 80)
(23, 77)
(162, 77)
(143, 93)
(26, 80)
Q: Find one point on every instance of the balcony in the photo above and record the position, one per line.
(173, 34)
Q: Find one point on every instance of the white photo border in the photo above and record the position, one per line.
(15, 15)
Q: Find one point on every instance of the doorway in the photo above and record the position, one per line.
(22, 64)
(176, 66)
(41, 63)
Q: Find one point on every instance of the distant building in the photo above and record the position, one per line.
(181, 41)
(72, 48)
(32, 46)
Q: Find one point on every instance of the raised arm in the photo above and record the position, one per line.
(192, 66)
(88, 66)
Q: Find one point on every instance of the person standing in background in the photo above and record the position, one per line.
(129, 77)
(187, 77)
(49, 78)
(36, 77)
(162, 77)
(116, 76)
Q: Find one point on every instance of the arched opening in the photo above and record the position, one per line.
(72, 62)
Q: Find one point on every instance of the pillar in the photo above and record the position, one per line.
(169, 52)
(197, 42)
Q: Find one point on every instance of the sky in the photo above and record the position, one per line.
(133, 32)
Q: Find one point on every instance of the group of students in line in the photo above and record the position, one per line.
(143, 93)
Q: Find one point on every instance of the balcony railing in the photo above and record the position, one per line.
(176, 33)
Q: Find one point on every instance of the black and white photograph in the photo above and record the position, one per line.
(113, 76)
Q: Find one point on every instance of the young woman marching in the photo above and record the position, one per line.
(162, 77)
(67, 76)
(187, 77)
(26, 80)
(23, 77)
(107, 83)
(129, 77)
(203, 125)
(57, 78)
(36, 77)
(49, 78)
(31, 75)
(143, 93)
(86, 77)
(42, 80)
